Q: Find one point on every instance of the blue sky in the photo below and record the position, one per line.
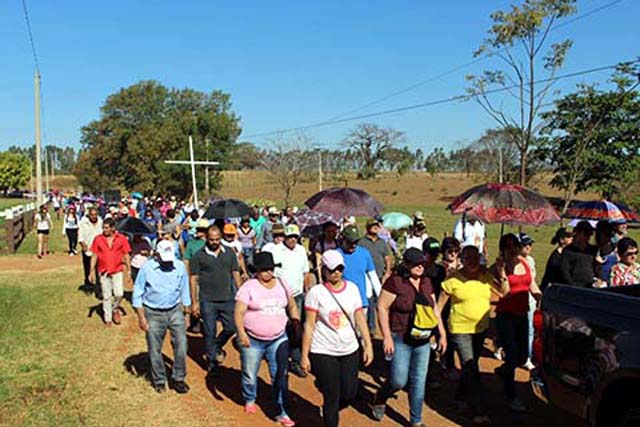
(285, 64)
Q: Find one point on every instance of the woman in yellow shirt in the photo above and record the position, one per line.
(470, 292)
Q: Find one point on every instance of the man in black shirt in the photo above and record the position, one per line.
(212, 269)
(578, 259)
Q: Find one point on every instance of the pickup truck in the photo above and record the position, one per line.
(587, 353)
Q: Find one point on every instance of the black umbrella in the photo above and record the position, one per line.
(133, 225)
(228, 208)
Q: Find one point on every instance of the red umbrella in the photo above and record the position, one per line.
(505, 204)
(344, 201)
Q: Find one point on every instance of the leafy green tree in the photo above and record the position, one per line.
(145, 124)
(372, 143)
(519, 39)
(593, 137)
(15, 171)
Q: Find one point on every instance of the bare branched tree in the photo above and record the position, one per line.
(288, 163)
(518, 37)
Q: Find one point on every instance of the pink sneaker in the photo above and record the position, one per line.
(286, 421)
(250, 408)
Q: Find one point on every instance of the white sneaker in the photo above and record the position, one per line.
(529, 366)
(516, 405)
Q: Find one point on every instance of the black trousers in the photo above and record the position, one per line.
(72, 237)
(337, 378)
(86, 265)
(513, 331)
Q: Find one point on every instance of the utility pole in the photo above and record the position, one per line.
(206, 169)
(500, 176)
(319, 169)
(53, 165)
(46, 170)
(39, 195)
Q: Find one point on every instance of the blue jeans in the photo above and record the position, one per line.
(276, 352)
(409, 364)
(247, 253)
(295, 353)
(159, 321)
(470, 387)
(213, 342)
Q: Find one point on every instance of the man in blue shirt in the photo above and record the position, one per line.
(160, 294)
(359, 267)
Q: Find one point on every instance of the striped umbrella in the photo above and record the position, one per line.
(310, 221)
(600, 210)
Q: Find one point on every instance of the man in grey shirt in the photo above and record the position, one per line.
(213, 269)
(381, 255)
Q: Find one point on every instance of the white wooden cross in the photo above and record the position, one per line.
(193, 164)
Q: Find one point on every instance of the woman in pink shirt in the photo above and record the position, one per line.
(261, 318)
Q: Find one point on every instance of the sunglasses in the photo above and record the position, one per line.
(339, 268)
(453, 251)
(633, 253)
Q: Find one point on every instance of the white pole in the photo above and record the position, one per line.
(319, 169)
(46, 170)
(193, 173)
(206, 169)
(500, 177)
(39, 197)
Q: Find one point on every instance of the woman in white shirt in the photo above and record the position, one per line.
(70, 226)
(330, 346)
(42, 224)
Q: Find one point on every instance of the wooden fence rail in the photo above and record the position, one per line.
(18, 221)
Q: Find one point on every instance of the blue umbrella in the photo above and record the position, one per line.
(396, 220)
(137, 195)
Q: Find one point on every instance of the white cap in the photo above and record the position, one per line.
(273, 210)
(332, 259)
(166, 251)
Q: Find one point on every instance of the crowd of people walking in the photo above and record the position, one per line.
(313, 307)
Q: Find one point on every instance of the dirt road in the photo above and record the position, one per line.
(224, 397)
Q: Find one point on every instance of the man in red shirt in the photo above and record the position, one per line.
(111, 255)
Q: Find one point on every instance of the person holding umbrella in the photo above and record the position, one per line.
(512, 309)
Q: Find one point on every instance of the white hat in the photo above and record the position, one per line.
(166, 251)
(273, 210)
(332, 259)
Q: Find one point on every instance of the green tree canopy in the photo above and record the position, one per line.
(593, 137)
(15, 171)
(145, 124)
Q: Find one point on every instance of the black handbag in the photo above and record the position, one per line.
(294, 326)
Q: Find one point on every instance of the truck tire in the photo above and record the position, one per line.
(631, 418)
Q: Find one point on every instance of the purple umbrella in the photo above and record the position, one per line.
(344, 201)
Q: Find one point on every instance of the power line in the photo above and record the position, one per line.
(465, 65)
(33, 45)
(462, 97)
